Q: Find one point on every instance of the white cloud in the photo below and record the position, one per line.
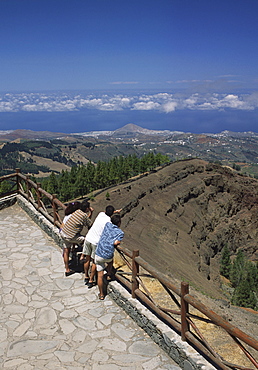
(169, 106)
(150, 105)
(163, 102)
(30, 107)
(7, 107)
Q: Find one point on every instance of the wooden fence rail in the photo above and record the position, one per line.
(180, 319)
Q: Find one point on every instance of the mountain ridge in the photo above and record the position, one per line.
(130, 127)
(229, 148)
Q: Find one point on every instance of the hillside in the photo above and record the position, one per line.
(182, 216)
(228, 148)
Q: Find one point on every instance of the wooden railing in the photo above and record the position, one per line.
(134, 279)
(181, 319)
(44, 202)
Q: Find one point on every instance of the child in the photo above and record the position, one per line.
(110, 237)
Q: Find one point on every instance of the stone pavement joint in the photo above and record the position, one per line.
(49, 321)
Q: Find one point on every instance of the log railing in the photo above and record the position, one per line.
(134, 278)
(45, 203)
(181, 319)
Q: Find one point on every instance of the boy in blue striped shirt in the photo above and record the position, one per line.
(110, 237)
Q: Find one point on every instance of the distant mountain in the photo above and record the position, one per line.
(29, 134)
(229, 148)
(129, 129)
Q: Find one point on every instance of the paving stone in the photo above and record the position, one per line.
(123, 332)
(100, 355)
(46, 317)
(106, 319)
(66, 326)
(113, 344)
(11, 325)
(3, 334)
(15, 308)
(22, 329)
(128, 358)
(25, 366)
(7, 299)
(85, 323)
(24, 347)
(65, 356)
(140, 347)
(13, 363)
(100, 333)
(152, 363)
(21, 297)
(49, 321)
(88, 347)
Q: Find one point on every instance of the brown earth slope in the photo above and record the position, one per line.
(181, 216)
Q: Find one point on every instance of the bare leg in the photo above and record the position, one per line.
(93, 272)
(86, 267)
(66, 253)
(101, 284)
(109, 269)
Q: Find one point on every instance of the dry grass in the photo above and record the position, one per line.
(217, 338)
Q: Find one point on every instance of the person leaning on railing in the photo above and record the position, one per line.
(110, 237)
(91, 241)
(71, 231)
(71, 207)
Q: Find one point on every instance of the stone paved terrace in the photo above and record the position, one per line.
(49, 321)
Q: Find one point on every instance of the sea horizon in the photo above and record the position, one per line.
(84, 111)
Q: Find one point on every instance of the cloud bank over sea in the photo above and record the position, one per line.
(159, 102)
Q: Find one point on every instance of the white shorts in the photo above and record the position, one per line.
(89, 249)
(101, 262)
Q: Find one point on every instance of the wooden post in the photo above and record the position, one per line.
(184, 310)
(135, 272)
(27, 186)
(54, 207)
(17, 179)
(38, 195)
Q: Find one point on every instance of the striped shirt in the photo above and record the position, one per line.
(105, 247)
(75, 223)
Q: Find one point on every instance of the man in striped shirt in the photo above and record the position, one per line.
(71, 232)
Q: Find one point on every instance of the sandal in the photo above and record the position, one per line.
(91, 284)
(101, 297)
(69, 273)
(86, 281)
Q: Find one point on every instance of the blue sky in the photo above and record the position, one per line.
(187, 65)
(110, 44)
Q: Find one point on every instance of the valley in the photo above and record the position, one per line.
(237, 150)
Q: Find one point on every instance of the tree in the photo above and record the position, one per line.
(243, 295)
(237, 269)
(244, 277)
(52, 187)
(225, 263)
(5, 186)
(80, 183)
(64, 186)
